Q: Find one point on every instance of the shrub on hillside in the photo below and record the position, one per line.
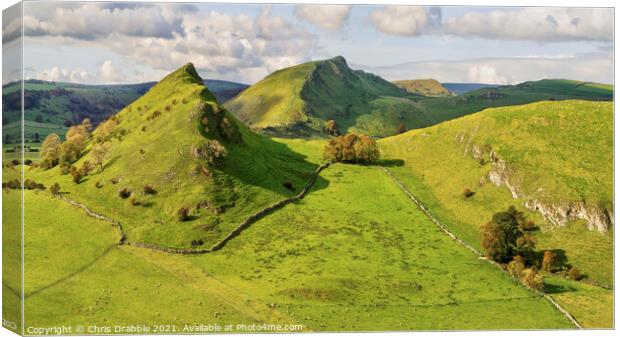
(183, 214)
(516, 266)
(76, 174)
(402, 128)
(50, 151)
(212, 151)
(55, 189)
(468, 193)
(502, 239)
(124, 193)
(30, 184)
(99, 184)
(332, 128)
(533, 279)
(115, 180)
(574, 274)
(549, 261)
(149, 189)
(352, 148)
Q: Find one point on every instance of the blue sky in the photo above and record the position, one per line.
(128, 43)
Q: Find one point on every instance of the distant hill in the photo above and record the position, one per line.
(552, 159)
(53, 106)
(424, 87)
(461, 88)
(299, 100)
(160, 139)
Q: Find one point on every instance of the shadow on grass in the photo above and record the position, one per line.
(557, 289)
(391, 162)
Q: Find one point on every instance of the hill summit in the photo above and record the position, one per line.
(179, 170)
(300, 99)
(425, 87)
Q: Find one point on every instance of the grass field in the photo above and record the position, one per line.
(363, 264)
(538, 141)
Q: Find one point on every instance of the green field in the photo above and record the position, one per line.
(538, 142)
(313, 263)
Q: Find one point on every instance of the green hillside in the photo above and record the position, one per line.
(297, 101)
(50, 107)
(424, 87)
(160, 140)
(553, 160)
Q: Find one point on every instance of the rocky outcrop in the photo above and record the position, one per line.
(558, 213)
(597, 217)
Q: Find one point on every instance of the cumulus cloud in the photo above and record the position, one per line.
(405, 20)
(536, 23)
(596, 67)
(91, 21)
(232, 46)
(328, 17)
(109, 73)
(57, 74)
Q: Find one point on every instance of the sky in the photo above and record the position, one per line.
(138, 42)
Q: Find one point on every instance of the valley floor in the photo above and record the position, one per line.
(354, 256)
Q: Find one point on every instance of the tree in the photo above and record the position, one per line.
(516, 266)
(352, 148)
(332, 128)
(533, 279)
(549, 261)
(87, 124)
(55, 189)
(99, 154)
(574, 274)
(105, 130)
(402, 128)
(50, 150)
(76, 174)
(183, 214)
(502, 237)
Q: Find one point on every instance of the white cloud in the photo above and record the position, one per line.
(536, 23)
(584, 67)
(405, 20)
(91, 21)
(235, 47)
(57, 74)
(328, 17)
(485, 73)
(109, 73)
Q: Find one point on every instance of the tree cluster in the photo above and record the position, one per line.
(352, 148)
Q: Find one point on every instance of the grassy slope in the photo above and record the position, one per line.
(75, 275)
(83, 100)
(360, 249)
(11, 251)
(303, 97)
(565, 148)
(424, 87)
(250, 178)
(342, 259)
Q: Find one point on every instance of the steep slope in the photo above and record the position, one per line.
(50, 107)
(300, 99)
(552, 159)
(162, 139)
(424, 87)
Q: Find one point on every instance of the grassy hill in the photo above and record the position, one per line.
(553, 160)
(50, 107)
(297, 101)
(157, 141)
(424, 87)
